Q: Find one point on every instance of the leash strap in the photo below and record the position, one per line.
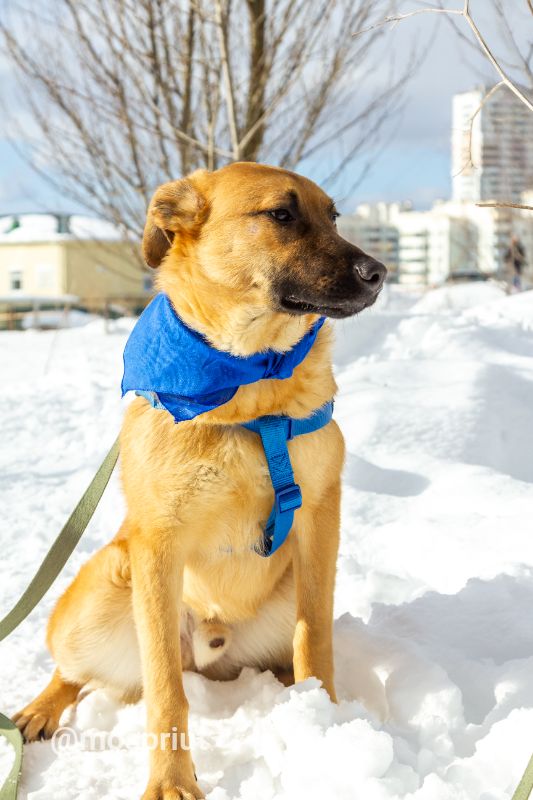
(275, 432)
(50, 568)
(63, 546)
(525, 787)
(10, 731)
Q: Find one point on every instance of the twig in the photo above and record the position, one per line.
(471, 126)
(400, 17)
(503, 204)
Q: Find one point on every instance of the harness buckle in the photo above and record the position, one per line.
(290, 434)
(288, 499)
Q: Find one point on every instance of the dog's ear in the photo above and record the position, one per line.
(176, 207)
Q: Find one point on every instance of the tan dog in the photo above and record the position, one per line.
(249, 256)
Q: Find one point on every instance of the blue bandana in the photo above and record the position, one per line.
(183, 373)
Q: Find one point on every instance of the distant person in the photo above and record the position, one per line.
(515, 258)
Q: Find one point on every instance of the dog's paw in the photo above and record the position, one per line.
(163, 791)
(40, 718)
(172, 778)
(36, 721)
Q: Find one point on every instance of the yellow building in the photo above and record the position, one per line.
(54, 260)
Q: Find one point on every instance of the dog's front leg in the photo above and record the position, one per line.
(315, 546)
(157, 564)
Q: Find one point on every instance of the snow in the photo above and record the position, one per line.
(83, 227)
(44, 228)
(433, 634)
(451, 298)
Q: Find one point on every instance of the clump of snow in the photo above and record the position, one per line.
(433, 633)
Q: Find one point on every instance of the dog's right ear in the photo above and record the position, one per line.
(176, 207)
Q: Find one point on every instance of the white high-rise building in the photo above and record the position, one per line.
(492, 156)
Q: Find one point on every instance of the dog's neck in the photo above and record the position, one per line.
(215, 311)
(241, 329)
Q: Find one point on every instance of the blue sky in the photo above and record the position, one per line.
(414, 163)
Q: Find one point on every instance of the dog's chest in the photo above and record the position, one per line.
(238, 502)
(225, 576)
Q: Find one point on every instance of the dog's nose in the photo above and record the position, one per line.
(372, 273)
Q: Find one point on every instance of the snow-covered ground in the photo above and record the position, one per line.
(434, 605)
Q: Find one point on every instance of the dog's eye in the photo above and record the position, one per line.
(334, 217)
(281, 215)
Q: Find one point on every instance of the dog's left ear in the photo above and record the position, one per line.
(176, 207)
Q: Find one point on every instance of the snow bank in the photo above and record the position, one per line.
(516, 309)
(433, 634)
(455, 298)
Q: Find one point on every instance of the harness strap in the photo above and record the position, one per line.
(275, 432)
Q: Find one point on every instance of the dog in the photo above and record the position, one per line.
(250, 258)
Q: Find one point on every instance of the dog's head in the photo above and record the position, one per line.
(258, 237)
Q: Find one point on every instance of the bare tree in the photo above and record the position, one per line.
(124, 94)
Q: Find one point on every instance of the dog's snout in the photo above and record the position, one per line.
(372, 272)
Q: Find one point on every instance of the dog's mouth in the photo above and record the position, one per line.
(338, 310)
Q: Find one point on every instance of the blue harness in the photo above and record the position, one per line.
(275, 432)
(176, 369)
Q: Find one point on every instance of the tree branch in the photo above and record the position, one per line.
(487, 97)
(465, 13)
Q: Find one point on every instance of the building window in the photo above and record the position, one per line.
(15, 280)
